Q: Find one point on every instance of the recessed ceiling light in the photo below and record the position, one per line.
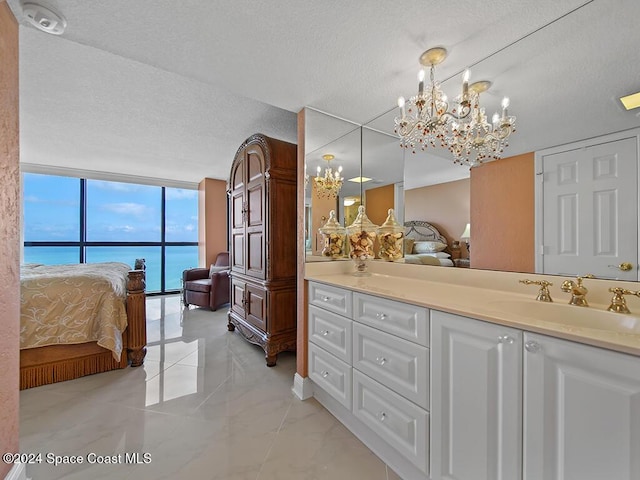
(631, 101)
(360, 179)
(44, 19)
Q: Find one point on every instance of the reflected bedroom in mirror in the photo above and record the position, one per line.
(562, 195)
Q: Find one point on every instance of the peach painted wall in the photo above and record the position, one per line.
(446, 206)
(9, 235)
(212, 220)
(378, 201)
(502, 214)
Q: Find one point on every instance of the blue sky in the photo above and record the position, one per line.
(115, 211)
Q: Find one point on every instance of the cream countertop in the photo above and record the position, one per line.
(505, 302)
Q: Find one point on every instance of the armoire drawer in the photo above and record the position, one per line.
(399, 364)
(406, 321)
(330, 374)
(399, 422)
(331, 332)
(334, 299)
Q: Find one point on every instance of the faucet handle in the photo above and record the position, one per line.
(543, 294)
(618, 303)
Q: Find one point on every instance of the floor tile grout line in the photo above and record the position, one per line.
(275, 438)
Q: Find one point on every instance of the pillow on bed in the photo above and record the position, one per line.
(215, 269)
(428, 247)
(437, 255)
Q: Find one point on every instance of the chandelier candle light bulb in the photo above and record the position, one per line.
(421, 81)
(505, 104)
(465, 85)
(401, 105)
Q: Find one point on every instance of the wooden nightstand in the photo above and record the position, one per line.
(462, 262)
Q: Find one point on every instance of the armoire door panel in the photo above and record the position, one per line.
(237, 243)
(255, 206)
(255, 164)
(255, 254)
(256, 306)
(237, 297)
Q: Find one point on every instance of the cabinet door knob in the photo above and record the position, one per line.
(324, 374)
(506, 339)
(381, 316)
(325, 299)
(382, 416)
(381, 360)
(325, 333)
(533, 347)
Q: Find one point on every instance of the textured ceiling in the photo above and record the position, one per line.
(170, 89)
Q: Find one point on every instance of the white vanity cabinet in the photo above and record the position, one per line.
(476, 401)
(369, 363)
(581, 412)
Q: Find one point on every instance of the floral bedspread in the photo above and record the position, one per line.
(68, 304)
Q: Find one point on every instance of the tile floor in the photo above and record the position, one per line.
(204, 406)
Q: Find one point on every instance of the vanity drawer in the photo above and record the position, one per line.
(330, 374)
(331, 332)
(335, 299)
(399, 422)
(407, 321)
(400, 365)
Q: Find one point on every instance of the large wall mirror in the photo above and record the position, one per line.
(564, 81)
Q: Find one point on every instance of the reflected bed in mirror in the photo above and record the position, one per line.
(425, 245)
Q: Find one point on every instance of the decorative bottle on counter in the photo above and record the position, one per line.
(362, 236)
(391, 239)
(334, 236)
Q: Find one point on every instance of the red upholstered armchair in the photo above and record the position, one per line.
(207, 287)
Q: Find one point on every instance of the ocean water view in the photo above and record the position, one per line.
(178, 258)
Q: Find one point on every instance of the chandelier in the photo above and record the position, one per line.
(424, 117)
(330, 184)
(475, 140)
(427, 119)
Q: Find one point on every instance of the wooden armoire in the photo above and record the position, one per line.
(262, 244)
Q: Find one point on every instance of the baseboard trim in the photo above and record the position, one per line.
(302, 387)
(18, 472)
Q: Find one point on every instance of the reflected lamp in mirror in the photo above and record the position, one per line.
(466, 236)
(329, 184)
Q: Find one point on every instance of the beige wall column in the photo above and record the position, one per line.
(502, 215)
(9, 235)
(301, 324)
(212, 220)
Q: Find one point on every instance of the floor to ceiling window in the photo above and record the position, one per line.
(71, 220)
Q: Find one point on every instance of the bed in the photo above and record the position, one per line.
(80, 319)
(425, 245)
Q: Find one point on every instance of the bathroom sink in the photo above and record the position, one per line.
(570, 315)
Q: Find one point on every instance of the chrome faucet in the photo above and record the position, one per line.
(578, 291)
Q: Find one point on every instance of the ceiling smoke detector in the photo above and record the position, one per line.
(44, 19)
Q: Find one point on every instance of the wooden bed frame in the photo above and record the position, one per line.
(57, 363)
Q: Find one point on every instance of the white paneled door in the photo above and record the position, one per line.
(590, 210)
(582, 412)
(476, 400)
